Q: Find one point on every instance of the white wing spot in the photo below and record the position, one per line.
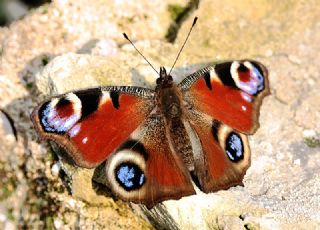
(105, 97)
(85, 140)
(214, 76)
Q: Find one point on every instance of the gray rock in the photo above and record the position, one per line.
(7, 128)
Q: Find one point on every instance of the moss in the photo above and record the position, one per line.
(130, 19)
(44, 9)
(45, 60)
(179, 14)
(10, 215)
(51, 155)
(175, 10)
(5, 192)
(312, 142)
(49, 223)
(29, 85)
(8, 182)
(42, 202)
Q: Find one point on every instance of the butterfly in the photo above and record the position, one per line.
(155, 144)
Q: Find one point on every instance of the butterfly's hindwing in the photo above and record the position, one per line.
(225, 152)
(145, 169)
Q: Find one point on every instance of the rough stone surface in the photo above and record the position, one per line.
(282, 186)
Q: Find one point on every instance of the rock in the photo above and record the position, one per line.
(74, 71)
(105, 48)
(281, 188)
(7, 126)
(8, 140)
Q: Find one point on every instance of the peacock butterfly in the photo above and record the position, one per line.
(154, 143)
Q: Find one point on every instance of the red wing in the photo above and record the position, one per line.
(146, 170)
(91, 124)
(226, 153)
(230, 92)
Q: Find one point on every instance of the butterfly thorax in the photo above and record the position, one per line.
(168, 97)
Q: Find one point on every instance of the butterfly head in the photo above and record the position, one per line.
(164, 80)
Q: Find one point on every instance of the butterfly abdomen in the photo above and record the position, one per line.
(180, 141)
(169, 102)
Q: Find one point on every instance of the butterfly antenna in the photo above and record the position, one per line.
(185, 41)
(126, 37)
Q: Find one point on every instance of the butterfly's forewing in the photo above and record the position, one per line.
(230, 92)
(91, 123)
(145, 169)
(223, 103)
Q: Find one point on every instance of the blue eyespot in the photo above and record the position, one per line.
(234, 147)
(129, 176)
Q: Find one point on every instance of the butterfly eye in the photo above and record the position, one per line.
(129, 176)
(158, 81)
(234, 147)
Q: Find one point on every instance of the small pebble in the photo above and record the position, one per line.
(55, 169)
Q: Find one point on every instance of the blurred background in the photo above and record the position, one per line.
(11, 10)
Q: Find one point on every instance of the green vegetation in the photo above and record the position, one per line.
(29, 85)
(8, 182)
(175, 10)
(179, 14)
(312, 142)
